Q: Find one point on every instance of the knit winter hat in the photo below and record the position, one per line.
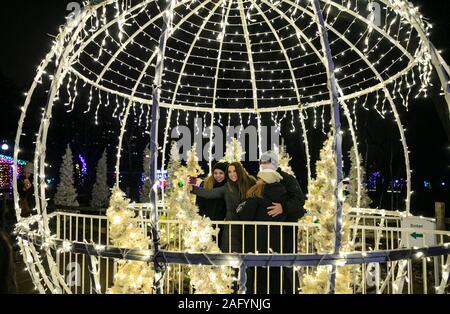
(270, 176)
(271, 157)
(221, 166)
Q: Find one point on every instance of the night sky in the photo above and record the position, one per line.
(27, 28)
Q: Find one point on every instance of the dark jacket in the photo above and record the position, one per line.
(268, 238)
(231, 197)
(255, 209)
(214, 209)
(293, 205)
(28, 194)
(293, 208)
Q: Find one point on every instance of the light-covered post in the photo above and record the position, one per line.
(159, 68)
(336, 120)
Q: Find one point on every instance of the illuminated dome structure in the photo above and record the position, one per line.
(300, 63)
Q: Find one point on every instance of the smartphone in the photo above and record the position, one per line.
(192, 180)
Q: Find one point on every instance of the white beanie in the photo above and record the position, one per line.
(271, 157)
(270, 176)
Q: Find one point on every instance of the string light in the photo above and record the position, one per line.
(274, 89)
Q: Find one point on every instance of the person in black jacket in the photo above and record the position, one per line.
(292, 207)
(214, 209)
(25, 189)
(268, 237)
(233, 192)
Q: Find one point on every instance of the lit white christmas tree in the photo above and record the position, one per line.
(100, 191)
(233, 151)
(145, 192)
(352, 197)
(198, 234)
(321, 209)
(132, 277)
(173, 168)
(175, 173)
(66, 194)
(284, 159)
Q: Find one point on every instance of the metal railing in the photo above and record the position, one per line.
(372, 233)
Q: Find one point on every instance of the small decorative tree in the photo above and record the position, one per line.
(175, 176)
(352, 197)
(321, 209)
(100, 192)
(145, 192)
(174, 162)
(233, 152)
(284, 159)
(66, 194)
(198, 232)
(132, 276)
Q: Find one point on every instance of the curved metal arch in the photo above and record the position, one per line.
(125, 118)
(391, 102)
(294, 80)
(41, 146)
(343, 104)
(106, 26)
(353, 95)
(438, 62)
(399, 126)
(24, 110)
(74, 30)
(320, 103)
(252, 71)
(139, 31)
(368, 22)
(216, 80)
(180, 75)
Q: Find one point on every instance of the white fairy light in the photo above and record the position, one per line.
(357, 81)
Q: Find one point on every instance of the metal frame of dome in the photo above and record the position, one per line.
(74, 39)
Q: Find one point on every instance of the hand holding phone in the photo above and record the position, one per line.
(192, 180)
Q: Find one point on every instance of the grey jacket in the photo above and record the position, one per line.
(232, 198)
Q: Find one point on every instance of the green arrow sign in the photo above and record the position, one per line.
(416, 235)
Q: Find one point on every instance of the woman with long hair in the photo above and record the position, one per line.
(25, 189)
(268, 190)
(233, 192)
(214, 209)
